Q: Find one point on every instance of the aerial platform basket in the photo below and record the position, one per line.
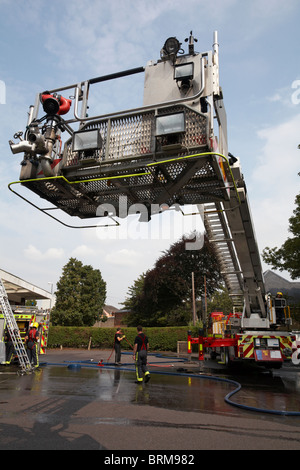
(172, 150)
(135, 163)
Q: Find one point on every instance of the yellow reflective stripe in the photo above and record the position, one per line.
(137, 370)
(170, 160)
(48, 178)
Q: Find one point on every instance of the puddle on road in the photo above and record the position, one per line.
(164, 391)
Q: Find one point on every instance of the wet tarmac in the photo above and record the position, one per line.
(72, 403)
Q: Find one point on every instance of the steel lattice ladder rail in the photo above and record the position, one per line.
(219, 234)
(14, 331)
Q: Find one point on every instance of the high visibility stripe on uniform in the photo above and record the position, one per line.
(37, 356)
(137, 370)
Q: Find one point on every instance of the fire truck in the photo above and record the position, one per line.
(228, 342)
(171, 151)
(24, 317)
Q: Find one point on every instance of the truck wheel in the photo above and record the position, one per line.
(224, 356)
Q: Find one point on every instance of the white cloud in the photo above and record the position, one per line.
(116, 34)
(271, 10)
(279, 161)
(288, 96)
(275, 182)
(123, 257)
(34, 254)
(82, 251)
(274, 98)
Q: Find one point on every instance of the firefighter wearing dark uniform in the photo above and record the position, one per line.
(32, 338)
(9, 347)
(140, 350)
(280, 304)
(117, 345)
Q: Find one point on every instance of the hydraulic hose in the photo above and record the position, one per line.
(227, 398)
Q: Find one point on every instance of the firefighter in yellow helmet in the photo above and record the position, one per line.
(31, 340)
(280, 304)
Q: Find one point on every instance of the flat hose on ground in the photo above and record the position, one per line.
(76, 365)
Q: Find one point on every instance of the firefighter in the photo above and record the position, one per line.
(117, 345)
(140, 350)
(280, 304)
(9, 347)
(31, 340)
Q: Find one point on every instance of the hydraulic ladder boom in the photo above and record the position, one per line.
(230, 228)
(242, 231)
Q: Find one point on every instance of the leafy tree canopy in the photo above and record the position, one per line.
(163, 295)
(220, 302)
(287, 257)
(80, 295)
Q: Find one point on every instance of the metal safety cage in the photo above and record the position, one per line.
(124, 153)
(187, 179)
(128, 158)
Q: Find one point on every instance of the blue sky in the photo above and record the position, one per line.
(50, 44)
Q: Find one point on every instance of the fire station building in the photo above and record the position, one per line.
(18, 290)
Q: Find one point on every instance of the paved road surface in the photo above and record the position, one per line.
(92, 408)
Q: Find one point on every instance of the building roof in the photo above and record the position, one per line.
(19, 290)
(110, 310)
(274, 283)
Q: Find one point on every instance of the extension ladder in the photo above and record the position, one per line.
(218, 233)
(14, 331)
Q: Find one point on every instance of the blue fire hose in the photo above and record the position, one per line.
(76, 365)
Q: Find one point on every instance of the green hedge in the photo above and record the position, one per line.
(160, 339)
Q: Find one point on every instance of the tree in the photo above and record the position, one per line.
(80, 295)
(220, 302)
(287, 257)
(163, 296)
(134, 301)
(31, 303)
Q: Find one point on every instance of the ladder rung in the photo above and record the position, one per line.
(14, 330)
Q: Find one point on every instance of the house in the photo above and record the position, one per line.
(114, 317)
(120, 317)
(109, 311)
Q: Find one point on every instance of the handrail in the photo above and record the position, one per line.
(142, 108)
